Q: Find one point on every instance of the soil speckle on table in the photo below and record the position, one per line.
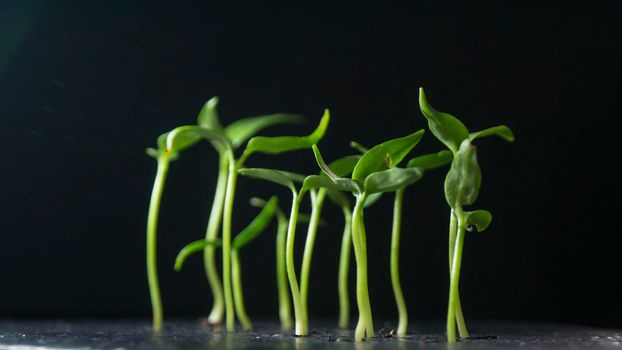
(92, 334)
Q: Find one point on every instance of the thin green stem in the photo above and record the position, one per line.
(209, 257)
(226, 243)
(152, 230)
(302, 327)
(317, 200)
(395, 269)
(462, 328)
(285, 313)
(344, 268)
(238, 294)
(369, 328)
(455, 277)
(365, 324)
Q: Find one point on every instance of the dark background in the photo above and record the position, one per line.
(86, 86)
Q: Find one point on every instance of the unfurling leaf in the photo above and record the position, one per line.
(258, 225)
(208, 116)
(194, 247)
(284, 178)
(281, 144)
(478, 218)
(391, 179)
(464, 177)
(385, 155)
(447, 128)
(499, 130)
(243, 129)
(431, 161)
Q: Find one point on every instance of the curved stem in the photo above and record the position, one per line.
(226, 244)
(455, 277)
(281, 273)
(462, 328)
(302, 327)
(395, 269)
(152, 230)
(317, 200)
(209, 257)
(344, 267)
(238, 294)
(364, 325)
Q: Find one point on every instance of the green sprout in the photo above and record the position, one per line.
(281, 272)
(223, 139)
(375, 172)
(285, 314)
(462, 186)
(254, 229)
(288, 179)
(300, 291)
(164, 156)
(423, 163)
(257, 144)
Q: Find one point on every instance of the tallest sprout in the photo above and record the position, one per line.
(461, 188)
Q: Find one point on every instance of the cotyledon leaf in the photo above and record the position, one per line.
(281, 144)
(391, 179)
(431, 161)
(208, 116)
(284, 178)
(183, 137)
(258, 225)
(243, 129)
(385, 155)
(447, 128)
(339, 184)
(478, 218)
(194, 247)
(499, 130)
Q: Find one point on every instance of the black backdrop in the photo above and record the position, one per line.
(86, 86)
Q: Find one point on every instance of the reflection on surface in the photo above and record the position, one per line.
(194, 335)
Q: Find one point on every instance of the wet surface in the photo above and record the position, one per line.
(18, 335)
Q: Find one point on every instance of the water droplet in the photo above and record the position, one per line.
(469, 227)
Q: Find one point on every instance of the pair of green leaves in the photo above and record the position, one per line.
(463, 180)
(451, 132)
(247, 235)
(375, 171)
(235, 134)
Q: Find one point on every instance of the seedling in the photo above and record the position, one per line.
(222, 139)
(281, 272)
(254, 229)
(342, 167)
(164, 156)
(462, 186)
(258, 144)
(288, 180)
(373, 173)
